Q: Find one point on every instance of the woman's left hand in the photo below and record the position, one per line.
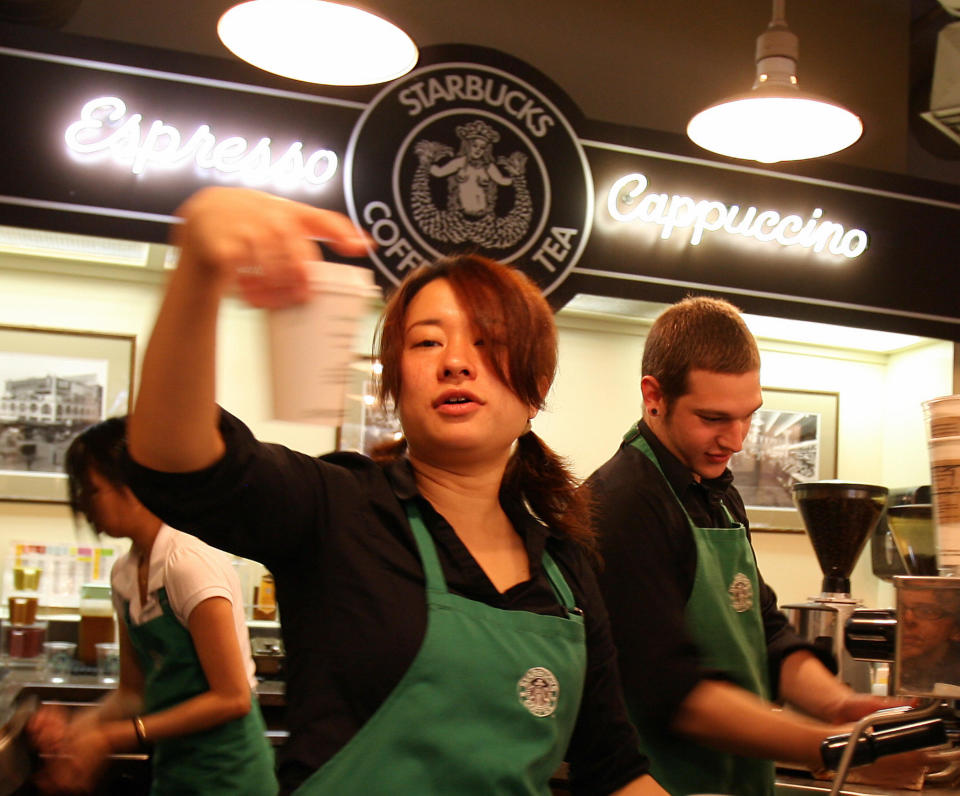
(47, 728)
(76, 764)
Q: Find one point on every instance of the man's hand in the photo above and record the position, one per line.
(854, 706)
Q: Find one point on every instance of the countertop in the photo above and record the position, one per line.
(87, 688)
(788, 785)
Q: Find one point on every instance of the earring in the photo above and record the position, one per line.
(654, 412)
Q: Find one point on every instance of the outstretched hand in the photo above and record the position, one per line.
(73, 752)
(48, 727)
(903, 770)
(856, 705)
(77, 763)
(260, 242)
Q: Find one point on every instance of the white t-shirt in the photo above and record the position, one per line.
(191, 571)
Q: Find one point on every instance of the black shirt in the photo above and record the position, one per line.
(350, 589)
(650, 561)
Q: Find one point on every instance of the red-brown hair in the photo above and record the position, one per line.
(516, 324)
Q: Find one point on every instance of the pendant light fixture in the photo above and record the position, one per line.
(317, 41)
(775, 121)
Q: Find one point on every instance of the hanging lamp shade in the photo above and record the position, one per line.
(775, 120)
(317, 41)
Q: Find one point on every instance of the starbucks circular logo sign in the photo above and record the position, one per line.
(465, 157)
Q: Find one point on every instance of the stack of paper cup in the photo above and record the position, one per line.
(943, 416)
(943, 430)
(312, 344)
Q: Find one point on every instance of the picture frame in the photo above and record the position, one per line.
(366, 424)
(53, 384)
(792, 439)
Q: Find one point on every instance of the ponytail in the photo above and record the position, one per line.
(553, 493)
(389, 451)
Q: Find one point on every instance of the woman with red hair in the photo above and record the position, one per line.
(443, 627)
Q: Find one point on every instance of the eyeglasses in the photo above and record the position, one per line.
(928, 612)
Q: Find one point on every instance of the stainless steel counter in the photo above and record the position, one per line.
(795, 786)
(87, 689)
(84, 689)
(128, 774)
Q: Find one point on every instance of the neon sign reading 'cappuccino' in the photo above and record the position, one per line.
(628, 202)
(104, 128)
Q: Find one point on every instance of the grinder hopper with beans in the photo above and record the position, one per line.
(839, 518)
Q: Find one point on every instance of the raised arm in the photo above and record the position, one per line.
(229, 237)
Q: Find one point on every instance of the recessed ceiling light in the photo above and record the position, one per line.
(68, 246)
(764, 327)
(828, 335)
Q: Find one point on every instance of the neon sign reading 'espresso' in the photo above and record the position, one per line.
(628, 202)
(105, 128)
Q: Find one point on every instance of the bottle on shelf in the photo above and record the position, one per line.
(97, 623)
(265, 603)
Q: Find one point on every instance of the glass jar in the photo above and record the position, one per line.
(22, 606)
(24, 643)
(97, 625)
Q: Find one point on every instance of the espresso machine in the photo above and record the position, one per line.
(839, 518)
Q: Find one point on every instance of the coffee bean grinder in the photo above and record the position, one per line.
(839, 518)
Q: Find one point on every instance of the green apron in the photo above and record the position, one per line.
(723, 617)
(230, 759)
(487, 706)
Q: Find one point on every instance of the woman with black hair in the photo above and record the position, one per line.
(186, 673)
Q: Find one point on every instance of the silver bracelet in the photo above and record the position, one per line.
(140, 730)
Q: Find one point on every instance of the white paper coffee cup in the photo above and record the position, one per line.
(312, 344)
(945, 486)
(943, 416)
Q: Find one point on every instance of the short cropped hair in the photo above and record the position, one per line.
(697, 333)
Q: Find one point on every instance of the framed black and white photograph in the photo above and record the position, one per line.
(54, 383)
(366, 424)
(792, 439)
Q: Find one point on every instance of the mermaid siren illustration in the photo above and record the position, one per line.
(474, 179)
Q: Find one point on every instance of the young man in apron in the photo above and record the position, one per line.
(703, 647)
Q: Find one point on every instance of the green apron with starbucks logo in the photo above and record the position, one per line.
(488, 705)
(723, 619)
(231, 759)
